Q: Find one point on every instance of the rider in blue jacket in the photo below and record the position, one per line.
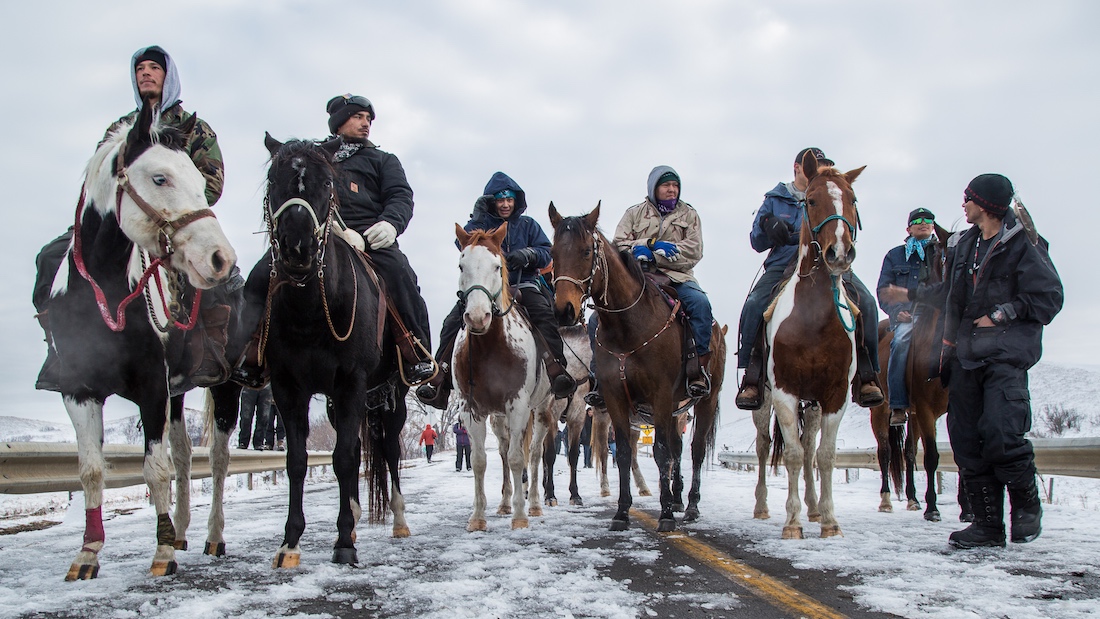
(527, 251)
(776, 227)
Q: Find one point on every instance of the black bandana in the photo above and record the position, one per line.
(347, 149)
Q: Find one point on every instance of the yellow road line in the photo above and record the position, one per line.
(756, 582)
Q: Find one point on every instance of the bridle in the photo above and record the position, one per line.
(599, 263)
(840, 305)
(494, 298)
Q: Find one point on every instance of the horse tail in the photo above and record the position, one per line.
(897, 454)
(777, 446)
(372, 437)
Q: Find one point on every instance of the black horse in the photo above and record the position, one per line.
(120, 309)
(317, 303)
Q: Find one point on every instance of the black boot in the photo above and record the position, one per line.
(562, 385)
(750, 395)
(699, 386)
(437, 390)
(593, 397)
(49, 377)
(987, 497)
(249, 372)
(1027, 511)
(209, 342)
(865, 389)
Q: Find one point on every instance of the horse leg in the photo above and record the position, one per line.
(181, 459)
(826, 460)
(666, 451)
(624, 455)
(810, 429)
(498, 424)
(539, 431)
(880, 425)
(600, 425)
(222, 404)
(87, 418)
(762, 419)
(477, 430)
(635, 469)
(391, 448)
(154, 418)
(349, 409)
(575, 425)
(517, 464)
(931, 463)
(549, 460)
(294, 407)
(911, 469)
(786, 413)
(702, 440)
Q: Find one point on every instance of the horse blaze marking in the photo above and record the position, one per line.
(753, 580)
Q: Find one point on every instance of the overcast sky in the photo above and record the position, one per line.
(577, 101)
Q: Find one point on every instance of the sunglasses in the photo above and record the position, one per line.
(357, 100)
(922, 221)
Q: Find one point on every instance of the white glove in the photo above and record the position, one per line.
(353, 238)
(381, 235)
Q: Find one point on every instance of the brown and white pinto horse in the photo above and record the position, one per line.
(811, 350)
(499, 376)
(634, 317)
(927, 403)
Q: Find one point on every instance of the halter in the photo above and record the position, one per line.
(494, 297)
(585, 285)
(837, 302)
(167, 227)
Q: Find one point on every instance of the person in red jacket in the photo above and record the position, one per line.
(427, 439)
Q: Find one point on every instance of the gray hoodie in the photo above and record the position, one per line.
(171, 94)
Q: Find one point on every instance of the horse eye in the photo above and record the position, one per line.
(160, 179)
(587, 253)
(812, 202)
(460, 268)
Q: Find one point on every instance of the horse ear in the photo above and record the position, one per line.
(188, 127)
(332, 146)
(591, 218)
(272, 144)
(462, 236)
(555, 218)
(139, 137)
(852, 175)
(500, 234)
(809, 165)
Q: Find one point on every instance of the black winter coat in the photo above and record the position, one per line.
(372, 188)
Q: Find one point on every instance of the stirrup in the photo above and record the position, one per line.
(594, 399)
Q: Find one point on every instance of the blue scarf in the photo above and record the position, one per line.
(913, 245)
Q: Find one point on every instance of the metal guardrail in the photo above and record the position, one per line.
(1071, 457)
(29, 468)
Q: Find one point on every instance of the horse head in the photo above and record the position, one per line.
(301, 201)
(830, 220)
(576, 260)
(482, 270)
(147, 178)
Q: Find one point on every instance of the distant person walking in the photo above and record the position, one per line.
(427, 439)
(462, 445)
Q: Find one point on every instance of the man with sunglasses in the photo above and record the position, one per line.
(776, 228)
(905, 266)
(155, 78)
(377, 202)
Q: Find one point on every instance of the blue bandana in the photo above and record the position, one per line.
(913, 245)
(504, 193)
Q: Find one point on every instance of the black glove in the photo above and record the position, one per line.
(520, 259)
(776, 229)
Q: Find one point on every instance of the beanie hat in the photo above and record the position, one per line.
(155, 54)
(342, 107)
(666, 177)
(992, 192)
(919, 213)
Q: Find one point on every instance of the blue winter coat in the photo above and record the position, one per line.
(778, 203)
(523, 231)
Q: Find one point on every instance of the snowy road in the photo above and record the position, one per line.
(565, 565)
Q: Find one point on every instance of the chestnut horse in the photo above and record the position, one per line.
(634, 316)
(927, 403)
(498, 375)
(810, 337)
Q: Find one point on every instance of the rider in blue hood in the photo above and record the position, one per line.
(527, 251)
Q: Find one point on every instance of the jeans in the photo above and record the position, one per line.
(463, 451)
(255, 404)
(697, 306)
(899, 360)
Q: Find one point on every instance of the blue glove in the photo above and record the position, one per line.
(666, 250)
(642, 253)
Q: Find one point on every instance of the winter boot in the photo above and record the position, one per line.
(593, 397)
(212, 368)
(987, 497)
(699, 386)
(1027, 511)
(562, 385)
(49, 377)
(865, 389)
(436, 391)
(249, 372)
(749, 395)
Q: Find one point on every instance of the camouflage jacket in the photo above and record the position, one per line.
(204, 149)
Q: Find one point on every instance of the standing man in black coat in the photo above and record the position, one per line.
(377, 202)
(1000, 289)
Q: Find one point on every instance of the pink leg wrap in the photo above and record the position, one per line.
(93, 525)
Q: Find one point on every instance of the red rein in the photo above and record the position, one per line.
(118, 322)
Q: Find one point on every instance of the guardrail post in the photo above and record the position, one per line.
(250, 481)
(939, 482)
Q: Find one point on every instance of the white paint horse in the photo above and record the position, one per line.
(811, 352)
(498, 376)
(142, 221)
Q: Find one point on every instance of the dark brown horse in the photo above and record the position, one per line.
(927, 403)
(638, 386)
(811, 350)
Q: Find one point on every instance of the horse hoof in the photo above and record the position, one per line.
(519, 523)
(913, 506)
(551, 502)
(605, 493)
(792, 532)
(477, 525)
(534, 511)
(83, 571)
(287, 559)
(504, 511)
(345, 556)
(576, 501)
(813, 517)
(677, 507)
(761, 514)
(180, 544)
(932, 516)
(831, 531)
(216, 549)
(691, 515)
(618, 525)
(645, 493)
(666, 525)
(886, 508)
(401, 531)
(163, 568)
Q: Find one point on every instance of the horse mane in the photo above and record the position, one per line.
(481, 237)
(293, 149)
